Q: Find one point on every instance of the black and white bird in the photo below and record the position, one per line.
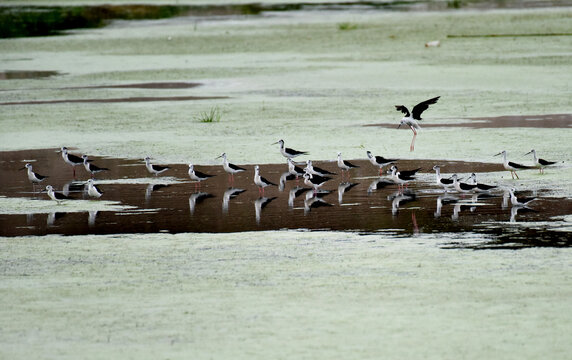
(56, 196)
(511, 166)
(229, 194)
(379, 161)
(71, 159)
(345, 165)
(91, 168)
(519, 201)
(402, 178)
(411, 119)
(231, 169)
(34, 177)
(447, 184)
(481, 187)
(462, 187)
(196, 175)
(344, 187)
(315, 181)
(287, 152)
(260, 181)
(93, 190)
(154, 169)
(540, 163)
(293, 169)
(314, 170)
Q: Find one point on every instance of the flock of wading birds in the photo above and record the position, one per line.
(314, 177)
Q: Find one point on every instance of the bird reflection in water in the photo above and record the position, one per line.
(151, 188)
(283, 178)
(229, 194)
(197, 198)
(314, 200)
(294, 193)
(400, 197)
(53, 217)
(443, 200)
(344, 187)
(260, 204)
(378, 184)
(92, 215)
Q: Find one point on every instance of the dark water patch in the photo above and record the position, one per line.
(548, 121)
(116, 100)
(507, 35)
(26, 74)
(151, 85)
(364, 203)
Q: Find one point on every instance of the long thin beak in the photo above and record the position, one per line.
(528, 153)
(218, 157)
(498, 154)
(275, 143)
(399, 125)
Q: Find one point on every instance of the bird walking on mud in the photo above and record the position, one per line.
(511, 166)
(231, 169)
(411, 119)
(260, 181)
(379, 161)
(540, 163)
(287, 152)
(34, 177)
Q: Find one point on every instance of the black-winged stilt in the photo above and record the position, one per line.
(197, 175)
(379, 161)
(56, 196)
(293, 169)
(287, 152)
(511, 166)
(154, 169)
(91, 168)
(260, 181)
(447, 184)
(34, 177)
(410, 119)
(462, 187)
(231, 169)
(71, 159)
(481, 187)
(540, 163)
(519, 201)
(93, 190)
(314, 170)
(345, 165)
(315, 181)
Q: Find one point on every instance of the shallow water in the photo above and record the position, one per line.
(365, 203)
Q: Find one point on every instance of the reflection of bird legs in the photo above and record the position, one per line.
(412, 147)
(414, 220)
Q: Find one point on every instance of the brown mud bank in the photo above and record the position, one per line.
(364, 202)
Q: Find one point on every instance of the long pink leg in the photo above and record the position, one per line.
(412, 147)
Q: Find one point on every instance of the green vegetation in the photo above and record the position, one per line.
(347, 26)
(213, 115)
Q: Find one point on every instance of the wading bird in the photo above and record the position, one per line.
(540, 163)
(410, 119)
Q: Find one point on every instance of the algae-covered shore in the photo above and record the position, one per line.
(324, 81)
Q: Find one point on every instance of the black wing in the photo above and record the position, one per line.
(202, 175)
(485, 187)
(403, 109)
(382, 160)
(236, 168)
(264, 180)
(408, 173)
(465, 186)
(419, 108)
(75, 159)
(347, 163)
(317, 179)
(61, 196)
(517, 166)
(96, 168)
(159, 167)
(295, 152)
(545, 162)
(447, 181)
(40, 177)
(320, 170)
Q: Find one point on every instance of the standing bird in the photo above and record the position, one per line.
(34, 177)
(404, 172)
(402, 178)
(462, 187)
(314, 170)
(231, 169)
(197, 175)
(379, 161)
(410, 119)
(56, 196)
(445, 183)
(260, 181)
(71, 159)
(540, 163)
(154, 169)
(519, 201)
(315, 181)
(92, 169)
(287, 152)
(345, 165)
(293, 169)
(93, 190)
(510, 166)
(481, 187)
